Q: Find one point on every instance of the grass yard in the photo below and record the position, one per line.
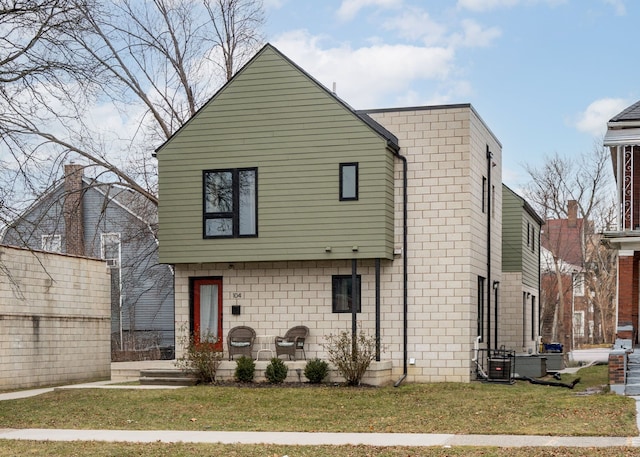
(93, 449)
(474, 408)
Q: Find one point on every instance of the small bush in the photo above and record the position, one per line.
(316, 370)
(276, 371)
(351, 358)
(200, 358)
(245, 369)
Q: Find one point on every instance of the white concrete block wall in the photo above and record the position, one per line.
(447, 237)
(516, 331)
(54, 319)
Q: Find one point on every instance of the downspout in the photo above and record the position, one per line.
(405, 279)
(489, 288)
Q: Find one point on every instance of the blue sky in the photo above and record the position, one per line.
(545, 75)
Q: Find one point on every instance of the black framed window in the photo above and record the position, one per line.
(481, 300)
(348, 181)
(342, 293)
(230, 200)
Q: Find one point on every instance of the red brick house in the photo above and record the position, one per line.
(623, 140)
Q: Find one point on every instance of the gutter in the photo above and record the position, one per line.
(405, 279)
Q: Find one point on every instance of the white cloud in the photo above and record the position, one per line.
(488, 5)
(618, 6)
(474, 35)
(594, 119)
(273, 4)
(485, 5)
(349, 8)
(367, 77)
(415, 24)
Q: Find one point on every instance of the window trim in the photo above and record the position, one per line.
(234, 215)
(481, 309)
(47, 243)
(334, 282)
(111, 261)
(357, 181)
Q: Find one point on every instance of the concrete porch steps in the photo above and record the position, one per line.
(166, 377)
(632, 386)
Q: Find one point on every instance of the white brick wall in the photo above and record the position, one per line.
(54, 319)
(447, 251)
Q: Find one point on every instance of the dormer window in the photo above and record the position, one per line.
(230, 203)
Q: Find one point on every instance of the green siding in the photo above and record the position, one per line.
(274, 117)
(517, 256)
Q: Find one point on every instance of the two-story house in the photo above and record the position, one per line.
(623, 140)
(281, 206)
(519, 326)
(85, 217)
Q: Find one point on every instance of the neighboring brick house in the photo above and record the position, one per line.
(623, 140)
(277, 193)
(82, 216)
(564, 277)
(519, 326)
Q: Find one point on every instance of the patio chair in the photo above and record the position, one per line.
(240, 341)
(292, 341)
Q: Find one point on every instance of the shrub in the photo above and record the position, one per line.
(351, 358)
(200, 358)
(316, 370)
(276, 371)
(245, 369)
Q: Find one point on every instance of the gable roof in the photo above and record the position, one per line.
(123, 197)
(525, 204)
(391, 139)
(631, 113)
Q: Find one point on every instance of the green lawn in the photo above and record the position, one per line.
(475, 408)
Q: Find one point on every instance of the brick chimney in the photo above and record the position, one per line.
(73, 214)
(572, 212)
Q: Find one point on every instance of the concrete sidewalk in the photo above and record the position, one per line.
(296, 438)
(315, 439)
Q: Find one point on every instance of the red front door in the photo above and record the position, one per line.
(207, 311)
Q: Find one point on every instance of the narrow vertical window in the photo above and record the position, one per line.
(533, 317)
(348, 181)
(533, 239)
(528, 234)
(484, 194)
(481, 308)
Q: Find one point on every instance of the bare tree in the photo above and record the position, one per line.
(103, 83)
(577, 261)
(152, 63)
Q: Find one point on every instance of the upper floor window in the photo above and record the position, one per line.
(52, 243)
(110, 248)
(230, 203)
(578, 285)
(348, 181)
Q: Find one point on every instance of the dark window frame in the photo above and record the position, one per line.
(336, 287)
(481, 308)
(234, 214)
(356, 184)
